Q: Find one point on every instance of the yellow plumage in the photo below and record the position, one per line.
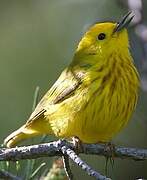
(95, 96)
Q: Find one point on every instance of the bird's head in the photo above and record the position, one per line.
(102, 39)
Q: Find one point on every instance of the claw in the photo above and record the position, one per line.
(77, 144)
(110, 151)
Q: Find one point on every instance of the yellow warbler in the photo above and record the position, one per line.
(95, 96)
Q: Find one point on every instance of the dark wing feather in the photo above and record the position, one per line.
(63, 88)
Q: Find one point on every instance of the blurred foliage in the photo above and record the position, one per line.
(37, 40)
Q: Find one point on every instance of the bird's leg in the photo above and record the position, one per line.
(109, 149)
(77, 144)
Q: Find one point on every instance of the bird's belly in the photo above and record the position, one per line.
(96, 119)
(103, 118)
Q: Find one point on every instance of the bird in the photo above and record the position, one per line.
(95, 95)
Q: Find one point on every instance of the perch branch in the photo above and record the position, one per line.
(64, 148)
(51, 149)
(67, 167)
(69, 152)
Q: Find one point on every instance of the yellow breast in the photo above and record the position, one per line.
(102, 105)
(111, 102)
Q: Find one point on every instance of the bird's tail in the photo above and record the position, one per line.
(31, 128)
(19, 135)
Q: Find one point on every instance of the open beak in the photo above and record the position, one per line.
(124, 22)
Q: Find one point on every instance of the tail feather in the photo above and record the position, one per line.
(32, 128)
(19, 135)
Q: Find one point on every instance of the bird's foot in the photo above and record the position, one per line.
(110, 150)
(77, 144)
(110, 154)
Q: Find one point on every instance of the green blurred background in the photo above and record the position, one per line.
(37, 40)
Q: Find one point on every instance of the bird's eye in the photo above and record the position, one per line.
(101, 36)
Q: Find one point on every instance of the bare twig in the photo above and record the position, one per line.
(69, 152)
(67, 167)
(51, 149)
(62, 147)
